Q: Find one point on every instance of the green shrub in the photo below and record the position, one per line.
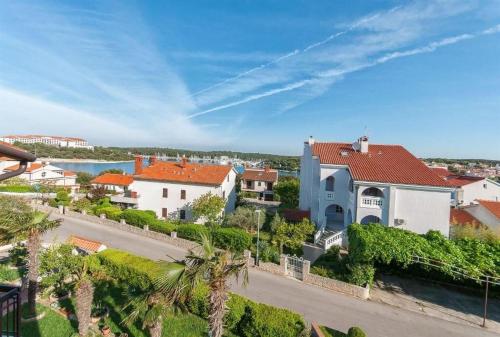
(361, 274)
(268, 252)
(262, 320)
(237, 306)
(192, 231)
(17, 188)
(161, 226)
(63, 198)
(18, 255)
(355, 332)
(198, 302)
(138, 218)
(8, 274)
(111, 212)
(52, 203)
(82, 204)
(233, 239)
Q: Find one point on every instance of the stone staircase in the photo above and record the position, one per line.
(326, 234)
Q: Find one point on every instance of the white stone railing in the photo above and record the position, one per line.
(372, 202)
(335, 239)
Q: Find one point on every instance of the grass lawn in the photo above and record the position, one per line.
(51, 325)
(331, 333)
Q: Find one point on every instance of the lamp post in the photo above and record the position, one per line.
(257, 211)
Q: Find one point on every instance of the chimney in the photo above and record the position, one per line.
(311, 140)
(152, 160)
(267, 168)
(183, 161)
(138, 165)
(363, 141)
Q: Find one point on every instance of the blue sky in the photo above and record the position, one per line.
(255, 75)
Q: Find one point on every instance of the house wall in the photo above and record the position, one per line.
(151, 195)
(484, 216)
(483, 189)
(255, 186)
(116, 188)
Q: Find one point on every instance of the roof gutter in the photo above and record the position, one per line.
(23, 157)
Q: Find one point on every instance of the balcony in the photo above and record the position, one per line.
(10, 306)
(125, 198)
(371, 202)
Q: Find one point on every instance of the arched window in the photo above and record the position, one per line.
(330, 184)
(370, 219)
(373, 192)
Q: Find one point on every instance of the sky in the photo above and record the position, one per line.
(255, 75)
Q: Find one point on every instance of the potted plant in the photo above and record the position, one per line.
(106, 331)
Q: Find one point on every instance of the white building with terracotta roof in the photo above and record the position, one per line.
(485, 211)
(116, 182)
(469, 188)
(169, 188)
(343, 183)
(261, 181)
(48, 140)
(45, 173)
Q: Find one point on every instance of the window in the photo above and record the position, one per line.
(330, 184)
(164, 213)
(485, 185)
(182, 214)
(44, 174)
(165, 192)
(338, 209)
(259, 183)
(351, 185)
(183, 194)
(223, 194)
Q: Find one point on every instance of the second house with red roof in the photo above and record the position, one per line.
(344, 183)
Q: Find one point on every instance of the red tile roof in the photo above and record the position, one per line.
(31, 168)
(85, 244)
(382, 163)
(492, 206)
(441, 171)
(189, 173)
(260, 175)
(461, 217)
(113, 179)
(69, 174)
(457, 181)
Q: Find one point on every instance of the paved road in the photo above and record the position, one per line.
(325, 307)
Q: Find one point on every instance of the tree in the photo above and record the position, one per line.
(167, 294)
(293, 235)
(18, 221)
(63, 198)
(84, 178)
(216, 267)
(97, 193)
(57, 263)
(209, 206)
(242, 217)
(288, 192)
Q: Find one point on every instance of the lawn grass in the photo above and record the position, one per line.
(8, 274)
(329, 332)
(51, 325)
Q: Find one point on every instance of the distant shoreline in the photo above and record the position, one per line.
(89, 161)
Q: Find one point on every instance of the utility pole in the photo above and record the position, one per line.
(258, 236)
(486, 301)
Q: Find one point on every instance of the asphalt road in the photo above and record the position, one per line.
(315, 304)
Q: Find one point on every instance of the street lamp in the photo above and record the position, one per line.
(257, 211)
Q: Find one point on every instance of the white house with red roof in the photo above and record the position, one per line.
(343, 183)
(261, 181)
(116, 182)
(169, 188)
(485, 211)
(43, 172)
(469, 188)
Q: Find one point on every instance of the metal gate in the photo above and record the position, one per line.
(294, 267)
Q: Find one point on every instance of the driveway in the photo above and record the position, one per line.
(315, 304)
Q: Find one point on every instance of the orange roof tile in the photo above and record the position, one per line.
(441, 171)
(113, 179)
(260, 175)
(457, 181)
(69, 174)
(492, 206)
(85, 244)
(383, 163)
(461, 217)
(31, 168)
(189, 173)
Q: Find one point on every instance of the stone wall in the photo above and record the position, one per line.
(336, 285)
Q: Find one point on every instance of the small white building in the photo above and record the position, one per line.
(486, 211)
(469, 188)
(169, 188)
(260, 181)
(115, 182)
(44, 173)
(344, 183)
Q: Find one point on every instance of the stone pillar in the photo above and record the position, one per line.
(84, 212)
(123, 222)
(306, 267)
(61, 209)
(248, 258)
(102, 216)
(146, 227)
(173, 235)
(283, 263)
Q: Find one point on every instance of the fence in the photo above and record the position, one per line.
(10, 308)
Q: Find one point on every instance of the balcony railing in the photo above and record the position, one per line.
(372, 202)
(10, 308)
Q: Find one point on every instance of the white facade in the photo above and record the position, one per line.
(483, 189)
(335, 200)
(37, 173)
(150, 195)
(48, 140)
(482, 214)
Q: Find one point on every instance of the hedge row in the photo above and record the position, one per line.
(381, 245)
(17, 188)
(244, 317)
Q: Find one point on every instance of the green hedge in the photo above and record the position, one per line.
(111, 212)
(233, 239)
(384, 246)
(192, 231)
(138, 218)
(17, 188)
(355, 332)
(244, 317)
(161, 226)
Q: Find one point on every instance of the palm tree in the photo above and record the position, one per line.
(167, 294)
(19, 221)
(216, 266)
